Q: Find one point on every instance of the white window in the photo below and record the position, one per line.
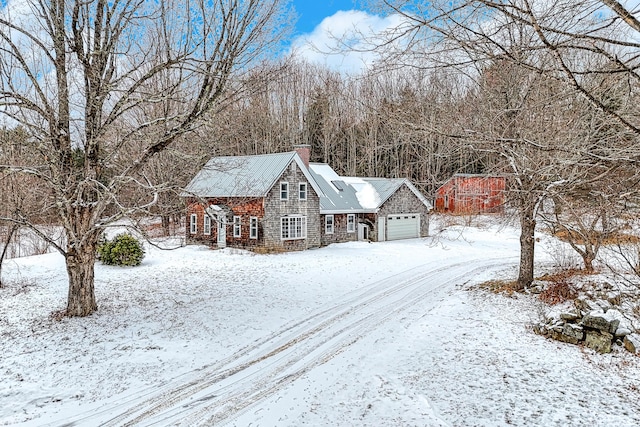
(193, 224)
(253, 227)
(284, 191)
(293, 227)
(328, 224)
(237, 227)
(207, 224)
(351, 223)
(302, 191)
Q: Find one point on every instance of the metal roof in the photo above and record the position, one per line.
(243, 176)
(338, 196)
(356, 194)
(254, 176)
(386, 187)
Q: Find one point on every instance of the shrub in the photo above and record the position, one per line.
(558, 292)
(122, 250)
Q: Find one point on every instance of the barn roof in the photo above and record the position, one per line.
(244, 176)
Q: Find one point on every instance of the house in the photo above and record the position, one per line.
(471, 194)
(383, 208)
(281, 202)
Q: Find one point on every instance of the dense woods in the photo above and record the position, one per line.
(548, 98)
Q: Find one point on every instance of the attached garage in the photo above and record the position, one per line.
(404, 226)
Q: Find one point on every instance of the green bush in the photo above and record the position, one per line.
(122, 250)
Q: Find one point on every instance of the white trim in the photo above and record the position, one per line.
(363, 231)
(237, 226)
(284, 189)
(345, 211)
(193, 224)
(222, 232)
(351, 223)
(403, 226)
(305, 171)
(207, 225)
(382, 229)
(300, 192)
(253, 227)
(293, 225)
(329, 226)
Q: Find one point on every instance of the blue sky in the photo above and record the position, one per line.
(312, 12)
(324, 26)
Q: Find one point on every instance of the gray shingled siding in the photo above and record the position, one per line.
(275, 209)
(403, 201)
(340, 233)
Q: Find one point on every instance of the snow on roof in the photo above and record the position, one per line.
(366, 193)
(326, 172)
(254, 176)
(369, 193)
(338, 196)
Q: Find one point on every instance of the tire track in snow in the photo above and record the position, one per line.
(222, 391)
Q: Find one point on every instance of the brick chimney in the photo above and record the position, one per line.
(304, 151)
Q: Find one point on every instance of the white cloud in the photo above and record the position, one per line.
(344, 41)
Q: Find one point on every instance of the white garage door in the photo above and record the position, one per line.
(405, 226)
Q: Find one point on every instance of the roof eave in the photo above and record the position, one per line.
(346, 211)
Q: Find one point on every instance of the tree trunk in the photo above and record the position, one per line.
(5, 248)
(527, 246)
(166, 225)
(80, 269)
(587, 258)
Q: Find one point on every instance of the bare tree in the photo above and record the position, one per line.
(579, 38)
(561, 49)
(76, 75)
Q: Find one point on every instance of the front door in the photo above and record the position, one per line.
(222, 232)
(363, 231)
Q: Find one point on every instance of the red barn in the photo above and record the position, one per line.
(471, 194)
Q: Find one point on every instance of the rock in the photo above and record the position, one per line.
(622, 331)
(540, 329)
(632, 343)
(551, 320)
(603, 304)
(557, 328)
(584, 305)
(624, 326)
(536, 288)
(570, 316)
(598, 341)
(597, 319)
(614, 298)
(570, 333)
(574, 330)
(606, 286)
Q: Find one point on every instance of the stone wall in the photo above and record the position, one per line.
(340, 233)
(594, 324)
(245, 208)
(269, 211)
(275, 209)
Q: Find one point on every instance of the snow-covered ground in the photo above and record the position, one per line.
(376, 334)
